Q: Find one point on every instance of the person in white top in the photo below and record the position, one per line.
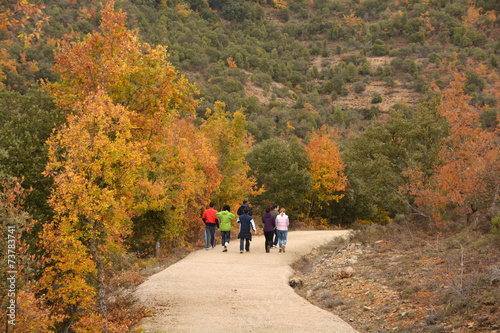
(282, 223)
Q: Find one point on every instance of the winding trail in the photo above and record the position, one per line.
(212, 291)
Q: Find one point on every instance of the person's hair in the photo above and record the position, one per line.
(245, 210)
(274, 206)
(245, 201)
(212, 204)
(226, 207)
(268, 209)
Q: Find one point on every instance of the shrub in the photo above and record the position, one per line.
(359, 87)
(376, 98)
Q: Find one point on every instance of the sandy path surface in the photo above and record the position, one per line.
(212, 291)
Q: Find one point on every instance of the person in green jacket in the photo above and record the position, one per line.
(225, 218)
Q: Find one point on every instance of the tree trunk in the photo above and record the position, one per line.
(100, 280)
(309, 209)
(157, 248)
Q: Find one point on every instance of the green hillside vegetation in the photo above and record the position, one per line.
(408, 90)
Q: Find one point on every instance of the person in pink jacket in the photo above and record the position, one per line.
(282, 223)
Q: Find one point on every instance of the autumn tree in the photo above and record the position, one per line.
(326, 168)
(133, 74)
(231, 143)
(187, 166)
(119, 95)
(98, 170)
(467, 177)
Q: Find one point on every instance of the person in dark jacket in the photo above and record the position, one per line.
(246, 222)
(269, 227)
(242, 207)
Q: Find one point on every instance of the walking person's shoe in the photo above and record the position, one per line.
(225, 249)
(267, 248)
(283, 247)
(241, 251)
(280, 250)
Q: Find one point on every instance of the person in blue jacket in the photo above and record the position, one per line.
(246, 222)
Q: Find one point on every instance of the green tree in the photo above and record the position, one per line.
(26, 122)
(281, 168)
(377, 158)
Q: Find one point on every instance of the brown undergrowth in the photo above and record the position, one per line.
(398, 278)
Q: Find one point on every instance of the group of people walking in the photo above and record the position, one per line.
(275, 222)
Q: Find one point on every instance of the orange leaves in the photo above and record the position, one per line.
(469, 171)
(231, 63)
(17, 17)
(326, 167)
(133, 74)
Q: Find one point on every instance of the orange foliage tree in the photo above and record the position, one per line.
(231, 143)
(98, 170)
(187, 164)
(468, 175)
(121, 96)
(326, 168)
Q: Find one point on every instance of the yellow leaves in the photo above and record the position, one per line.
(231, 63)
(183, 10)
(280, 3)
(473, 14)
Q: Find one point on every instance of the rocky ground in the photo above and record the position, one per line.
(386, 280)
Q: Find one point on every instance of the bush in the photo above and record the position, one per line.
(379, 49)
(359, 87)
(376, 98)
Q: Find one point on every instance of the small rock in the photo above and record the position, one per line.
(367, 308)
(295, 282)
(430, 320)
(345, 273)
(403, 314)
(310, 293)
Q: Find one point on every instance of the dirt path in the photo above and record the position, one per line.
(212, 291)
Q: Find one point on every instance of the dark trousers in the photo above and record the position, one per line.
(209, 235)
(226, 236)
(269, 238)
(275, 238)
(247, 244)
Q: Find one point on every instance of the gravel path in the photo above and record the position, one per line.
(212, 291)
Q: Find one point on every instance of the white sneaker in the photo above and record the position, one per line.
(226, 244)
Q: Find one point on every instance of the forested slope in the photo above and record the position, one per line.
(124, 120)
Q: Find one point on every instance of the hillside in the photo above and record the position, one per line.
(122, 122)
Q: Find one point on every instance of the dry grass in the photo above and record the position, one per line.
(406, 280)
